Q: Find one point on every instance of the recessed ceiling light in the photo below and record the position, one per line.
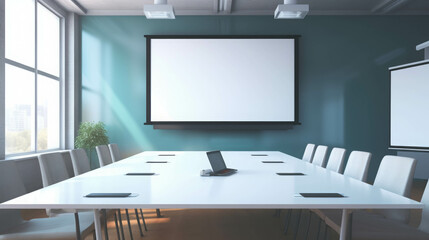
(159, 10)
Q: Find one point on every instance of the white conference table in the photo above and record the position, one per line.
(177, 184)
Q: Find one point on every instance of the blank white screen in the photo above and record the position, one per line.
(409, 107)
(222, 80)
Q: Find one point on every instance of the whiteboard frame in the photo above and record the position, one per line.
(148, 79)
(397, 147)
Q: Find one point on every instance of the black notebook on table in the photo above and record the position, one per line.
(108, 195)
(321, 195)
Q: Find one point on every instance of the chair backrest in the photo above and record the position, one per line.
(424, 223)
(103, 155)
(319, 158)
(32, 179)
(358, 165)
(336, 160)
(53, 168)
(68, 162)
(396, 174)
(309, 152)
(11, 186)
(114, 152)
(80, 161)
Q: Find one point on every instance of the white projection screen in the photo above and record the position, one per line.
(221, 79)
(409, 106)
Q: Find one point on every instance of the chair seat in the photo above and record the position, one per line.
(368, 226)
(60, 227)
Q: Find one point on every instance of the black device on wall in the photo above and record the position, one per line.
(211, 80)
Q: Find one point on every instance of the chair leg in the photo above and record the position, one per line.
(129, 224)
(76, 221)
(117, 227)
(144, 222)
(138, 222)
(120, 223)
(158, 213)
(295, 234)
(308, 226)
(106, 234)
(325, 236)
(287, 220)
(319, 226)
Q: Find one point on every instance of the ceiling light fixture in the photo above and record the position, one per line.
(291, 10)
(159, 10)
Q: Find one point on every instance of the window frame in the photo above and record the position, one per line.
(36, 72)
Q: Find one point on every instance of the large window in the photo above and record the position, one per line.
(32, 77)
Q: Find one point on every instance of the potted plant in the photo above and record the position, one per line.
(90, 135)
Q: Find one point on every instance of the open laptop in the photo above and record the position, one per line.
(218, 164)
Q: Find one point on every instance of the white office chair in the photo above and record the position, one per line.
(105, 158)
(116, 156)
(103, 154)
(424, 223)
(80, 161)
(336, 160)
(368, 226)
(319, 158)
(308, 153)
(358, 165)
(114, 152)
(13, 227)
(81, 165)
(52, 168)
(395, 174)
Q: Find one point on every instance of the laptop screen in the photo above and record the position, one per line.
(216, 160)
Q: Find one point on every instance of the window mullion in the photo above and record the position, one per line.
(61, 139)
(35, 77)
(20, 65)
(48, 75)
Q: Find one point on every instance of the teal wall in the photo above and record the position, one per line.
(344, 81)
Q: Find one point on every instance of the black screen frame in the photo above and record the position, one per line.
(204, 123)
(400, 147)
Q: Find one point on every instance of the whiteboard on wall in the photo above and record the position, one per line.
(221, 79)
(409, 106)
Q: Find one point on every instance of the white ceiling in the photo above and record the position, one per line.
(249, 7)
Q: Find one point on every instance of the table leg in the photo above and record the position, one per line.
(97, 224)
(346, 225)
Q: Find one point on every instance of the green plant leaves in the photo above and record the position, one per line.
(90, 135)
